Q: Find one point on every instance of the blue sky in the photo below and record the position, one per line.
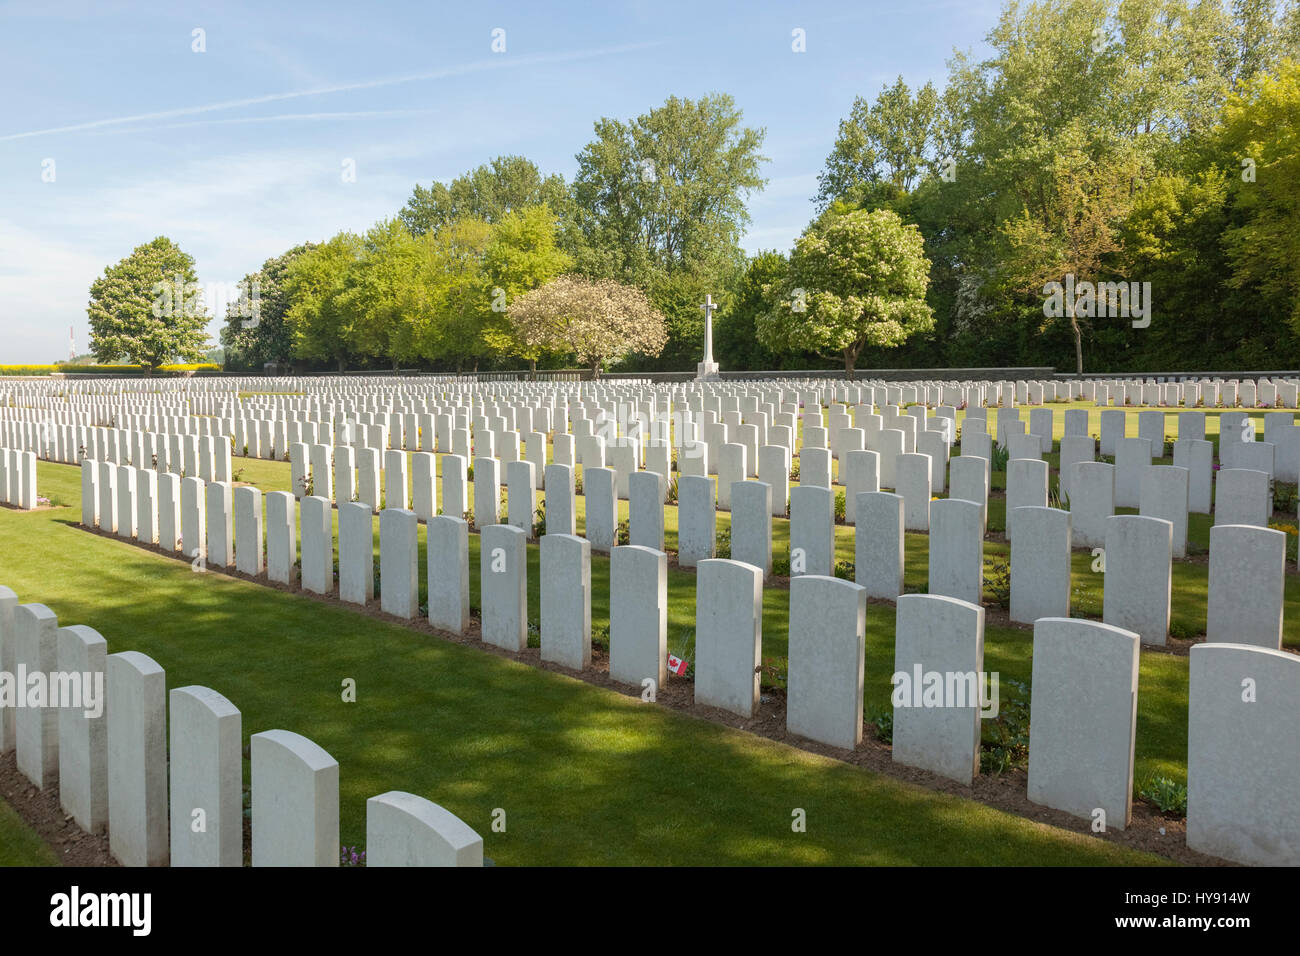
(237, 153)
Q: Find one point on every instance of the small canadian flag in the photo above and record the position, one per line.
(676, 665)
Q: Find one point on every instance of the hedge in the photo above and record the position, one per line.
(104, 369)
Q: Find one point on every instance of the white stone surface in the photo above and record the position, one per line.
(943, 635)
(1246, 585)
(826, 658)
(399, 559)
(1083, 719)
(1139, 554)
(956, 560)
(295, 788)
(1040, 565)
(566, 600)
(207, 778)
(638, 615)
(137, 760)
(697, 524)
(83, 731)
(403, 829)
(1092, 502)
(448, 573)
(812, 531)
(1243, 754)
(503, 586)
(356, 552)
(729, 634)
(1164, 495)
(35, 649)
(317, 546)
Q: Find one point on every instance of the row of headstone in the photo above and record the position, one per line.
(127, 757)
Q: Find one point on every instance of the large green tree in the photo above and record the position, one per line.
(490, 192)
(255, 329)
(320, 326)
(523, 254)
(660, 201)
(148, 309)
(856, 279)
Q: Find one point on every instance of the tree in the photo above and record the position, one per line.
(735, 339)
(373, 286)
(1087, 204)
(522, 255)
(856, 278)
(314, 283)
(255, 323)
(148, 308)
(1260, 143)
(894, 140)
(491, 193)
(660, 202)
(666, 191)
(597, 320)
(448, 301)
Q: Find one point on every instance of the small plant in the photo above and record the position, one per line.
(839, 507)
(1058, 498)
(1181, 629)
(781, 565)
(1168, 796)
(539, 526)
(351, 856)
(577, 484)
(1004, 740)
(1284, 497)
(467, 514)
(794, 469)
(1000, 457)
(722, 547)
(623, 535)
(600, 636)
(672, 490)
(997, 581)
(308, 484)
(845, 570)
(882, 723)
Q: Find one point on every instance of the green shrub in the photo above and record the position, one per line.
(882, 723)
(1169, 796)
(1000, 457)
(722, 547)
(997, 581)
(839, 507)
(1004, 740)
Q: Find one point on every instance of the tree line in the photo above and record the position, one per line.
(1112, 188)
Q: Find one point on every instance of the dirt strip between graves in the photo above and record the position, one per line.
(1150, 831)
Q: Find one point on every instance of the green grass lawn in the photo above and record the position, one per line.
(585, 775)
(19, 845)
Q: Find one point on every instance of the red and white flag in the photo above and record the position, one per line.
(676, 665)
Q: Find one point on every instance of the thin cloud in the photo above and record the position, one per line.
(282, 117)
(499, 62)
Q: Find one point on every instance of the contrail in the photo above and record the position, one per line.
(280, 117)
(462, 70)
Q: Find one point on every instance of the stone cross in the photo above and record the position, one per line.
(708, 369)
